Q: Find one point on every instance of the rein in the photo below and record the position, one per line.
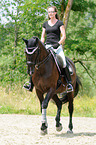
(42, 62)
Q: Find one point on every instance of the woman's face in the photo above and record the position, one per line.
(51, 13)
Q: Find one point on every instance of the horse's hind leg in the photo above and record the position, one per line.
(70, 107)
(59, 106)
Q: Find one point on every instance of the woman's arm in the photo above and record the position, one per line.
(63, 35)
(43, 35)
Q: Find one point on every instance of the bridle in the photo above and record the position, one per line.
(30, 51)
(36, 64)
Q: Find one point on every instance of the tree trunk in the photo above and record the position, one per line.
(62, 9)
(67, 13)
(16, 38)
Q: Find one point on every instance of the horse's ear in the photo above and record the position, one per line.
(25, 40)
(37, 40)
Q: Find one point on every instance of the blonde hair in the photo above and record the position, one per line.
(56, 10)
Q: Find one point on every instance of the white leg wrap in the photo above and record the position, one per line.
(44, 120)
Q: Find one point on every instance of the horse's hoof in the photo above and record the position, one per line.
(43, 132)
(44, 129)
(59, 128)
(70, 132)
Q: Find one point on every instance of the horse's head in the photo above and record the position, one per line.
(32, 52)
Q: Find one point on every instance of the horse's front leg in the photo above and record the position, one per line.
(40, 97)
(59, 107)
(70, 107)
(44, 108)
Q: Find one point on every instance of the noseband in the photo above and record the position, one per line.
(30, 53)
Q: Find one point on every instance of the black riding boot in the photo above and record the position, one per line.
(66, 73)
(30, 85)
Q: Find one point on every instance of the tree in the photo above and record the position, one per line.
(25, 20)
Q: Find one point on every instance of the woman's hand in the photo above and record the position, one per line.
(56, 45)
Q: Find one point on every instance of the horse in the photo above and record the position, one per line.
(45, 76)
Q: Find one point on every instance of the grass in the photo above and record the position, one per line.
(20, 101)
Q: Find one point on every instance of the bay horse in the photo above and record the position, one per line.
(45, 75)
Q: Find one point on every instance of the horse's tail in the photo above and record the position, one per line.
(78, 84)
(64, 98)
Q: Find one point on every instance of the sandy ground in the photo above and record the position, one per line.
(25, 130)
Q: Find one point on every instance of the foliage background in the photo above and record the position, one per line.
(24, 19)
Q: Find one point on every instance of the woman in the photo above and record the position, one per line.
(53, 28)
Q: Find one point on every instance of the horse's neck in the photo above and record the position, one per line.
(43, 52)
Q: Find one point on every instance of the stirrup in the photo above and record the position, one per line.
(27, 86)
(69, 88)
